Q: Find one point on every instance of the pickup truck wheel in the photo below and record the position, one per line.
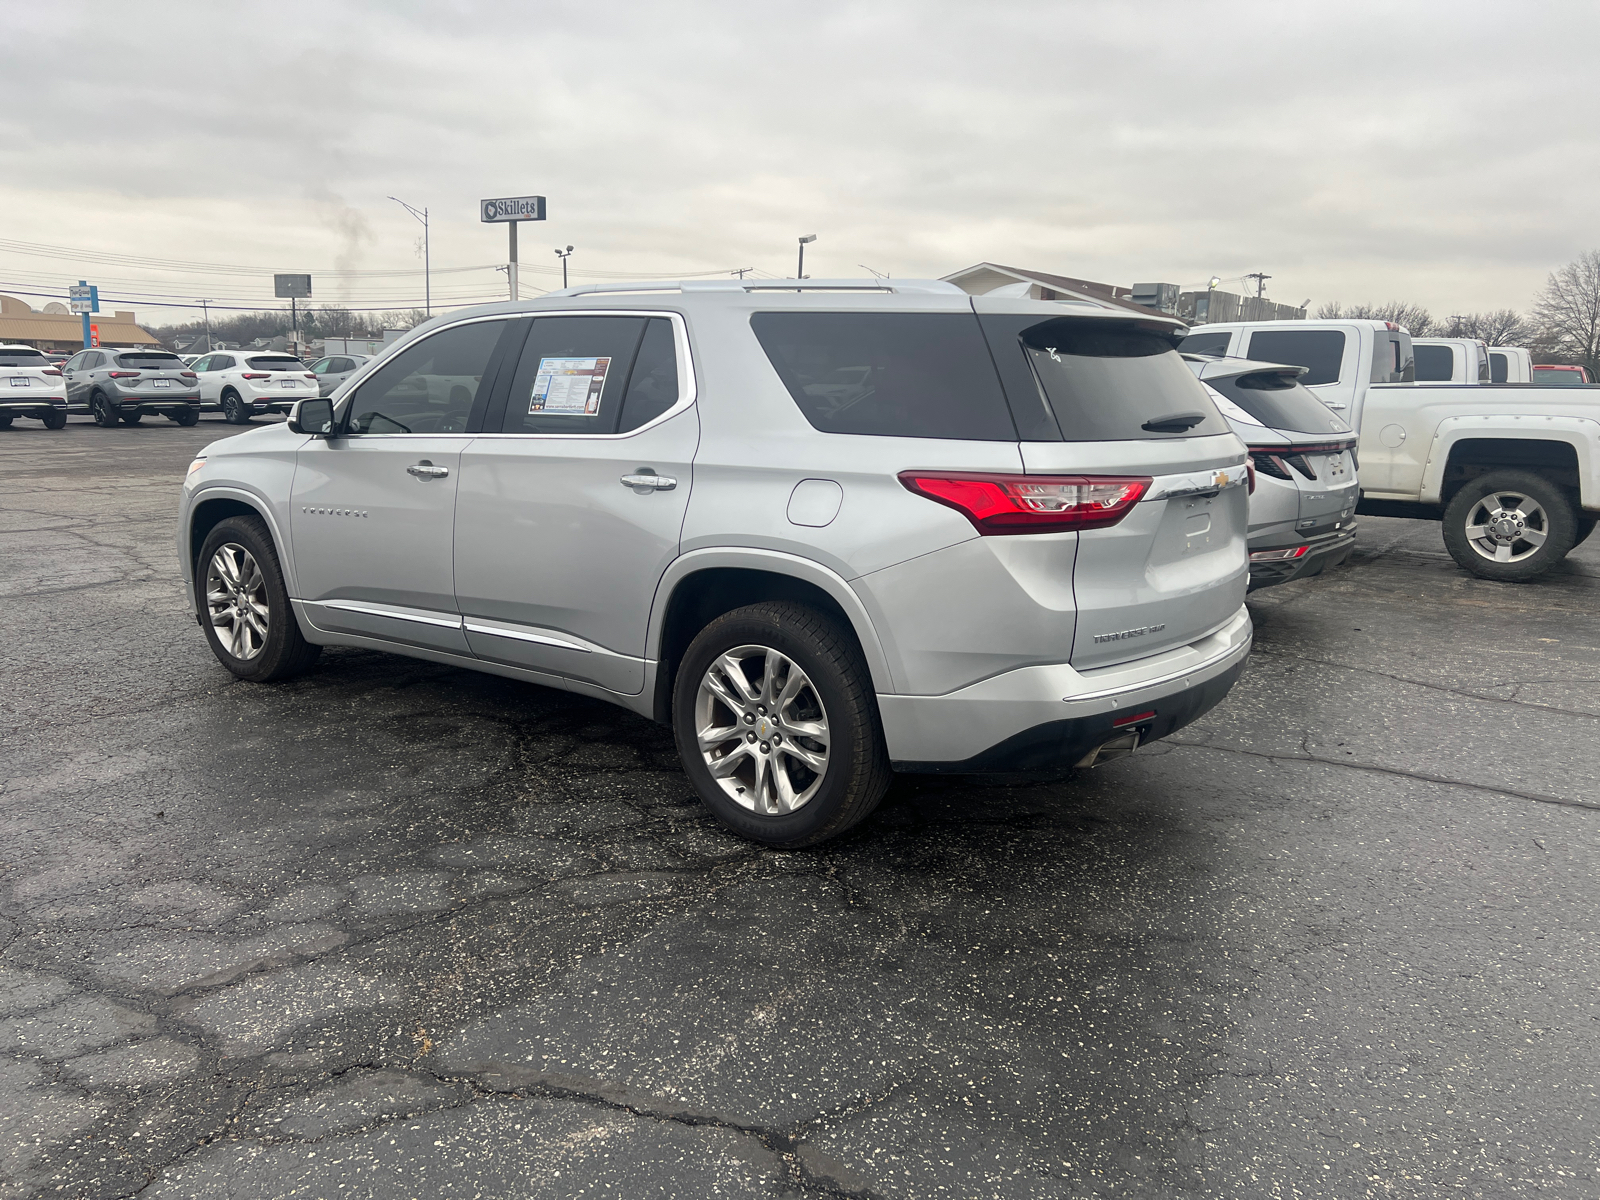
(233, 409)
(244, 604)
(104, 414)
(777, 725)
(1510, 525)
(52, 420)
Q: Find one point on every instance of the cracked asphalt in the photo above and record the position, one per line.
(394, 929)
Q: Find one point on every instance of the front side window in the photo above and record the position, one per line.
(201, 364)
(592, 375)
(1435, 364)
(322, 366)
(1321, 351)
(926, 375)
(430, 386)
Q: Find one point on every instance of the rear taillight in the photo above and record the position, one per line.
(1278, 555)
(50, 371)
(309, 375)
(998, 504)
(188, 375)
(124, 374)
(258, 375)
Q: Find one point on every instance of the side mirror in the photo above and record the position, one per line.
(312, 417)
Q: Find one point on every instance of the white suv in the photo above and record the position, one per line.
(241, 383)
(824, 530)
(31, 386)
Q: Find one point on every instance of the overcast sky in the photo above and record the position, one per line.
(1437, 153)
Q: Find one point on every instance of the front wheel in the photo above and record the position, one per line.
(244, 604)
(52, 420)
(233, 409)
(1512, 526)
(777, 725)
(1585, 528)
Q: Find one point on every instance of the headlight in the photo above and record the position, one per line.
(188, 478)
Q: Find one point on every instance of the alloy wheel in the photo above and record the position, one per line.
(762, 730)
(236, 600)
(1507, 527)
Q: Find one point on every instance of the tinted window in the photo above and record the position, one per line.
(429, 387)
(23, 358)
(1434, 363)
(275, 362)
(1321, 350)
(221, 362)
(150, 362)
(1206, 343)
(572, 375)
(1102, 380)
(92, 361)
(1497, 368)
(653, 384)
(923, 375)
(1280, 402)
(341, 366)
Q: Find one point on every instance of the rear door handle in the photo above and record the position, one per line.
(426, 470)
(649, 483)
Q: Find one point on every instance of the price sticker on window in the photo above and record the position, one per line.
(569, 386)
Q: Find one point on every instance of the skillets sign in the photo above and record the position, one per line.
(513, 208)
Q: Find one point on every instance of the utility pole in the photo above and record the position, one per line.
(800, 270)
(511, 269)
(1261, 282)
(563, 255)
(205, 314)
(741, 271)
(427, 277)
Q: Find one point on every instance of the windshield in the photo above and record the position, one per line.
(1277, 400)
(275, 362)
(151, 361)
(23, 358)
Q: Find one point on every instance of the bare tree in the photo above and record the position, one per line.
(1568, 312)
(1500, 327)
(1416, 319)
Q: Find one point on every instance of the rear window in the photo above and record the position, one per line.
(1435, 364)
(1279, 401)
(1206, 343)
(1101, 380)
(275, 362)
(1498, 369)
(23, 358)
(1321, 351)
(151, 361)
(1557, 375)
(924, 375)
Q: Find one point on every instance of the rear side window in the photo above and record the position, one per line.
(1102, 380)
(274, 362)
(1206, 343)
(925, 375)
(1497, 368)
(150, 362)
(592, 375)
(23, 358)
(1319, 350)
(1279, 401)
(1435, 364)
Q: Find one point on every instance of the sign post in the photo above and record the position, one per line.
(292, 288)
(510, 210)
(85, 299)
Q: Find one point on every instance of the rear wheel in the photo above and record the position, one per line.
(105, 414)
(52, 420)
(131, 418)
(777, 725)
(233, 409)
(1512, 526)
(189, 416)
(244, 604)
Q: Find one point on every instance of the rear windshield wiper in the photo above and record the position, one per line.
(1176, 423)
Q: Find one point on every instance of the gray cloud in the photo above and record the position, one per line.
(1355, 151)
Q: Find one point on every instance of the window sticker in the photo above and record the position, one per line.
(569, 386)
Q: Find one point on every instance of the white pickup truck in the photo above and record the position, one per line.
(1451, 360)
(1513, 469)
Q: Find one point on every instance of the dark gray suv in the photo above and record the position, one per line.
(124, 385)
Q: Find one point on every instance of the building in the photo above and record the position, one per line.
(985, 277)
(63, 330)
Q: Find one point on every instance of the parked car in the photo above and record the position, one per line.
(1510, 364)
(57, 357)
(1451, 360)
(31, 386)
(1302, 508)
(125, 385)
(824, 531)
(1512, 472)
(241, 383)
(335, 369)
(1560, 374)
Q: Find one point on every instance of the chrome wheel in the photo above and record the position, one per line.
(1507, 527)
(236, 599)
(762, 730)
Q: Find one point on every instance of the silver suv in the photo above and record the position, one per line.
(826, 530)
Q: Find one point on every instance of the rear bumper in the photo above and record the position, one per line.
(154, 404)
(1325, 552)
(14, 404)
(1038, 718)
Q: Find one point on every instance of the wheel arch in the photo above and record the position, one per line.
(701, 586)
(1560, 448)
(216, 505)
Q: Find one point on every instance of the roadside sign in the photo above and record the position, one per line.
(291, 287)
(94, 335)
(83, 298)
(512, 208)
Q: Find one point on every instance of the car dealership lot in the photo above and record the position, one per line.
(414, 930)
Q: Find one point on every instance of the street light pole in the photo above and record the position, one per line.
(206, 316)
(427, 276)
(800, 269)
(563, 255)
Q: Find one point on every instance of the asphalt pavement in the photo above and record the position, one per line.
(394, 929)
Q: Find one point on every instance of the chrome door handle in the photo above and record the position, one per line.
(426, 470)
(649, 483)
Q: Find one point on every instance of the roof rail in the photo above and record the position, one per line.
(893, 286)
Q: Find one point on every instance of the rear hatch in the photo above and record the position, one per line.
(153, 371)
(1106, 396)
(26, 373)
(280, 374)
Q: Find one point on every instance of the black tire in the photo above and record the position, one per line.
(1585, 528)
(233, 409)
(283, 652)
(1558, 523)
(52, 420)
(104, 414)
(187, 417)
(5, 420)
(856, 773)
(131, 418)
